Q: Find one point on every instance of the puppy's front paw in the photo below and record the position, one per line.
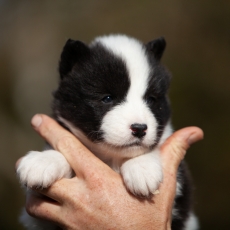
(41, 169)
(142, 175)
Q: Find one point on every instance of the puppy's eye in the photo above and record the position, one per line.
(151, 100)
(107, 99)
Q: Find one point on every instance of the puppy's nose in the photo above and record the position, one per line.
(138, 130)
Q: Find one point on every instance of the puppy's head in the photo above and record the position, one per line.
(114, 91)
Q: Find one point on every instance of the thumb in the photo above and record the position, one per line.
(174, 148)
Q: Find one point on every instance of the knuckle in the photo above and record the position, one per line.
(65, 144)
(30, 208)
(179, 149)
(45, 130)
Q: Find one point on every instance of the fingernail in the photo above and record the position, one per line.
(193, 138)
(36, 121)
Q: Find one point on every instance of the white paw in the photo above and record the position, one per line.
(142, 175)
(41, 169)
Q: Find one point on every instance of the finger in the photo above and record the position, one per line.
(59, 190)
(175, 147)
(78, 156)
(42, 207)
(172, 152)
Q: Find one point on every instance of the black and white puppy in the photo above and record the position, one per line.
(113, 96)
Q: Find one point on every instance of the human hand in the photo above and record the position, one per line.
(96, 197)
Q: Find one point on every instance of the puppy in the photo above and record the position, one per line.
(112, 96)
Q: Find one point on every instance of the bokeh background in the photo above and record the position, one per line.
(32, 34)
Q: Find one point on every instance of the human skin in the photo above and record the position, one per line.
(96, 197)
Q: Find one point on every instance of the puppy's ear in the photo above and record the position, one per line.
(73, 52)
(157, 46)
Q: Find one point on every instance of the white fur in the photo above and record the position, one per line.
(168, 130)
(192, 223)
(118, 131)
(132, 52)
(178, 193)
(41, 169)
(116, 123)
(143, 174)
(139, 165)
(117, 134)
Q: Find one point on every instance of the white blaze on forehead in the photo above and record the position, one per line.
(116, 123)
(132, 52)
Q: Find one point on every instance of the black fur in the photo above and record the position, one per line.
(159, 81)
(93, 80)
(89, 74)
(183, 203)
(95, 75)
(157, 46)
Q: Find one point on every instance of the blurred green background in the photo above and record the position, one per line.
(32, 34)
